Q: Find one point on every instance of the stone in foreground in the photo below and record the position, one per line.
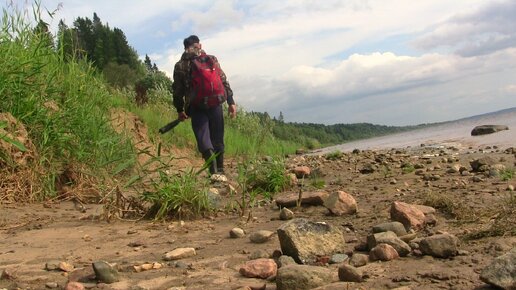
(305, 240)
(407, 214)
(259, 268)
(348, 273)
(105, 273)
(391, 239)
(502, 271)
(307, 198)
(440, 246)
(303, 277)
(179, 253)
(340, 203)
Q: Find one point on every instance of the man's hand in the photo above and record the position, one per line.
(232, 111)
(182, 116)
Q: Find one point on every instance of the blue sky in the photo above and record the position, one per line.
(393, 62)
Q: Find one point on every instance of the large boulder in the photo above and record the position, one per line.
(301, 277)
(487, 129)
(305, 240)
(502, 271)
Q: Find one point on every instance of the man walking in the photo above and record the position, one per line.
(200, 88)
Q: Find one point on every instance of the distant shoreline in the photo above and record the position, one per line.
(449, 134)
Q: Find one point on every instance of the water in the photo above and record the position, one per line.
(454, 133)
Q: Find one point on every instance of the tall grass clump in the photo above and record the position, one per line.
(62, 103)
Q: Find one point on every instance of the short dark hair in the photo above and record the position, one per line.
(190, 40)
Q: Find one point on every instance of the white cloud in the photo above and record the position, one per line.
(487, 29)
(305, 57)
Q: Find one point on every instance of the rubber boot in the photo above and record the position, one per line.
(220, 162)
(213, 164)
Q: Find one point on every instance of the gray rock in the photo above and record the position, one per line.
(359, 260)
(488, 129)
(482, 164)
(258, 254)
(441, 246)
(368, 168)
(389, 238)
(236, 233)
(348, 273)
(284, 261)
(303, 277)
(396, 227)
(105, 273)
(502, 271)
(286, 214)
(261, 237)
(305, 240)
(338, 258)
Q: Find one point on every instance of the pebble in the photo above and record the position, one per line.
(51, 285)
(179, 253)
(260, 237)
(359, 260)
(236, 233)
(286, 214)
(338, 258)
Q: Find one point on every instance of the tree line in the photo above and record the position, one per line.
(313, 135)
(108, 51)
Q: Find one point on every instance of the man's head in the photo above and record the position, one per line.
(192, 44)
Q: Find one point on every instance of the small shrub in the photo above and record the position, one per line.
(267, 176)
(407, 168)
(335, 155)
(182, 195)
(442, 202)
(507, 174)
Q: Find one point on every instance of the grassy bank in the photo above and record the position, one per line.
(64, 106)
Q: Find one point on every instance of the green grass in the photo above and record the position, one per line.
(32, 75)
(335, 155)
(507, 174)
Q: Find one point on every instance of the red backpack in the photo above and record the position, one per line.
(207, 85)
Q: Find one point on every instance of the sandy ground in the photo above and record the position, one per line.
(34, 234)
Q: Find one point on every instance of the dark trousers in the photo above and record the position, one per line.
(208, 128)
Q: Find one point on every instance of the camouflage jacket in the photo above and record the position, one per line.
(182, 85)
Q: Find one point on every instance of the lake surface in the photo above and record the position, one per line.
(454, 133)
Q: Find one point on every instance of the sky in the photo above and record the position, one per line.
(389, 62)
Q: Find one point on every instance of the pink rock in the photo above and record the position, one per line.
(74, 286)
(383, 252)
(302, 171)
(341, 203)
(407, 214)
(259, 268)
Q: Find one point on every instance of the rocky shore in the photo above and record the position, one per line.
(422, 218)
